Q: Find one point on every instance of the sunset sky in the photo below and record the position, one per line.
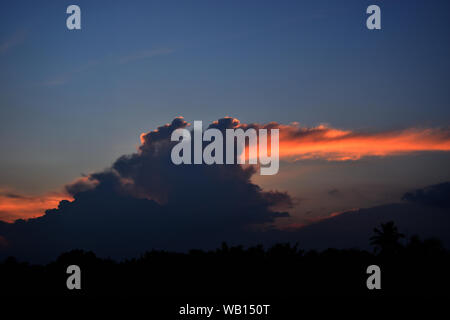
(363, 115)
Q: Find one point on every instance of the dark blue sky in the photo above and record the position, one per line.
(72, 101)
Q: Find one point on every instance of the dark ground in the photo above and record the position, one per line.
(414, 268)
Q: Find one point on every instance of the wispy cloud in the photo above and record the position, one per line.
(61, 79)
(146, 54)
(17, 38)
(65, 77)
(55, 82)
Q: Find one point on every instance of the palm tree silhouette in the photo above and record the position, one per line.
(386, 240)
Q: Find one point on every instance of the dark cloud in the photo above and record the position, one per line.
(426, 213)
(434, 196)
(81, 185)
(352, 229)
(334, 192)
(144, 201)
(12, 195)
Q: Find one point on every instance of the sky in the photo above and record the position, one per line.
(72, 102)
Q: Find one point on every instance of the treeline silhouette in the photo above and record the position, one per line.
(409, 267)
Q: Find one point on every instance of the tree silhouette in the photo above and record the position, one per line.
(417, 267)
(386, 240)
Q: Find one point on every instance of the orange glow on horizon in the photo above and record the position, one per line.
(14, 206)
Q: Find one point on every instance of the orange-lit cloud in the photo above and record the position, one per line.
(324, 142)
(332, 144)
(296, 143)
(15, 206)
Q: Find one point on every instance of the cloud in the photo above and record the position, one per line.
(434, 196)
(64, 78)
(334, 192)
(81, 185)
(16, 39)
(425, 213)
(3, 242)
(331, 144)
(146, 54)
(15, 206)
(352, 229)
(55, 82)
(324, 142)
(144, 201)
